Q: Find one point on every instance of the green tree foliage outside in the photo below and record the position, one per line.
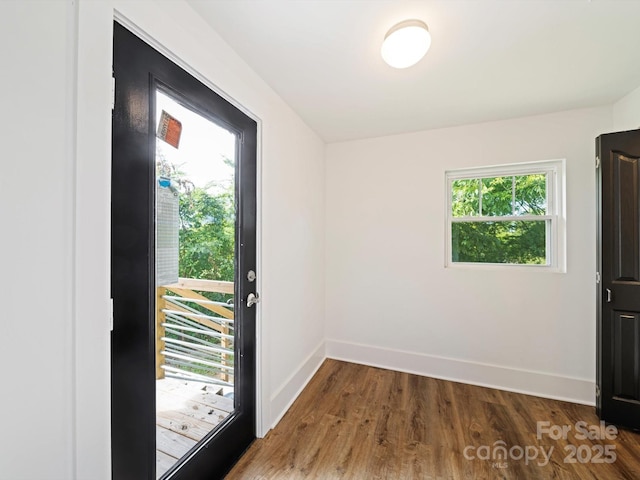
(491, 239)
(207, 227)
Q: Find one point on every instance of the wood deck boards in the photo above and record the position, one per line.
(185, 413)
(358, 422)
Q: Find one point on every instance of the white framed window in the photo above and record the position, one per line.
(507, 216)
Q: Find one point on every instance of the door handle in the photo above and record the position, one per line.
(252, 299)
(609, 295)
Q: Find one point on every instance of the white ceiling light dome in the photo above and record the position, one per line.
(406, 43)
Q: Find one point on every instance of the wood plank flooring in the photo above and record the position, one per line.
(185, 412)
(358, 422)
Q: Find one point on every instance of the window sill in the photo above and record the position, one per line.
(506, 267)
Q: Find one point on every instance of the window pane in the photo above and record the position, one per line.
(531, 194)
(497, 196)
(521, 242)
(464, 198)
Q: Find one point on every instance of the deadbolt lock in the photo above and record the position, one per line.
(251, 276)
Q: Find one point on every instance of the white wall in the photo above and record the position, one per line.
(92, 241)
(391, 302)
(36, 208)
(626, 112)
(55, 208)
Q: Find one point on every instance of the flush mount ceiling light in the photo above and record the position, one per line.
(406, 43)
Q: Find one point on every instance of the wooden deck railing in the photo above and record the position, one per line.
(194, 335)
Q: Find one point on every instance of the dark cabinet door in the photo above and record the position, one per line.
(618, 334)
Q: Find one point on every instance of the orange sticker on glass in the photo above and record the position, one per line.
(169, 129)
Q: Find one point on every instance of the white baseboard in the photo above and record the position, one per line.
(539, 384)
(282, 399)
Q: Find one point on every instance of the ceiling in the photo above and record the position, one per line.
(489, 60)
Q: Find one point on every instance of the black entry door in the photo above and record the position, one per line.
(140, 72)
(618, 368)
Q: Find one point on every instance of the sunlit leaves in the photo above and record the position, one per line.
(465, 198)
(499, 196)
(531, 195)
(207, 224)
(499, 241)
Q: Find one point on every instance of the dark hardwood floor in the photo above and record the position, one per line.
(359, 422)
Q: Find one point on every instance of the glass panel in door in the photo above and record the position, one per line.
(195, 252)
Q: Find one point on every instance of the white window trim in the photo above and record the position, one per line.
(556, 214)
